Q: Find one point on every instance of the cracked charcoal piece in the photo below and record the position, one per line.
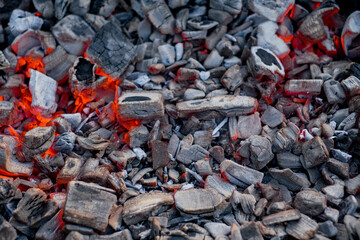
(111, 49)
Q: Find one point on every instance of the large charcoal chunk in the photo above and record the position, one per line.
(315, 152)
(159, 15)
(240, 175)
(7, 113)
(310, 202)
(143, 206)
(305, 228)
(43, 92)
(350, 32)
(197, 201)
(88, 204)
(141, 105)
(111, 49)
(73, 34)
(38, 140)
(7, 232)
(291, 180)
(272, 10)
(20, 21)
(221, 186)
(230, 6)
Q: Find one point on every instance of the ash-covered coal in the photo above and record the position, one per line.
(179, 119)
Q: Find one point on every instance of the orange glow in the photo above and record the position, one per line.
(14, 133)
(30, 62)
(287, 38)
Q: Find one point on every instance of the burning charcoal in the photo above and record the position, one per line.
(93, 142)
(220, 16)
(6, 190)
(309, 202)
(191, 94)
(181, 18)
(7, 232)
(288, 160)
(88, 204)
(117, 182)
(20, 21)
(58, 63)
(258, 150)
(197, 201)
(248, 126)
(160, 154)
(7, 113)
(70, 171)
(280, 217)
(191, 154)
(271, 10)
(351, 85)
(45, 7)
(73, 118)
(350, 32)
(138, 136)
(140, 105)
(26, 42)
(227, 105)
(217, 230)
(213, 60)
(29, 205)
(352, 185)
(315, 152)
(305, 228)
(65, 142)
(194, 35)
(267, 38)
(73, 38)
(303, 87)
(339, 168)
(167, 54)
(199, 24)
(145, 205)
(203, 167)
(221, 186)
(40, 83)
(334, 92)
(312, 29)
(272, 117)
(38, 140)
(246, 201)
(159, 15)
(240, 175)
(4, 63)
(103, 51)
(285, 138)
(186, 74)
(234, 77)
(121, 158)
(291, 180)
(232, 6)
(215, 36)
(264, 63)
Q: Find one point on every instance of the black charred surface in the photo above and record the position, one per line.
(267, 58)
(111, 49)
(84, 70)
(136, 99)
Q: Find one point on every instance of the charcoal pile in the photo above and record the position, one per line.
(179, 119)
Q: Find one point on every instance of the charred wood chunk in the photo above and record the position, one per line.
(310, 202)
(240, 175)
(7, 232)
(30, 205)
(274, 11)
(351, 85)
(7, 113)
(350, 33)
(58, 63)
(73, 34)
(93, 142)
(6, 190)
(334, 92)
(197, 201)
(159, 15)
(280, 217)
(160, 154)
(264, 63)
(234, 77)
(104, 7)
(305, 228)
(52, 229)
(141, 105)
(8, 159)
(64, 142)
(315, 152)
(221, 186)
(21, 21)
(187, 155)
(38, 140)
(248, 126)
(70, 171)
(111, 49)
(25, 42)
(88, 205)
(231, 6)
(143, 206)
(285, 138)
(117, 182)
(44, 7)
(291, 180)
(225, 105)
(39, 85)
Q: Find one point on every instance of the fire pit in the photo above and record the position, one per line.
(178, 119)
